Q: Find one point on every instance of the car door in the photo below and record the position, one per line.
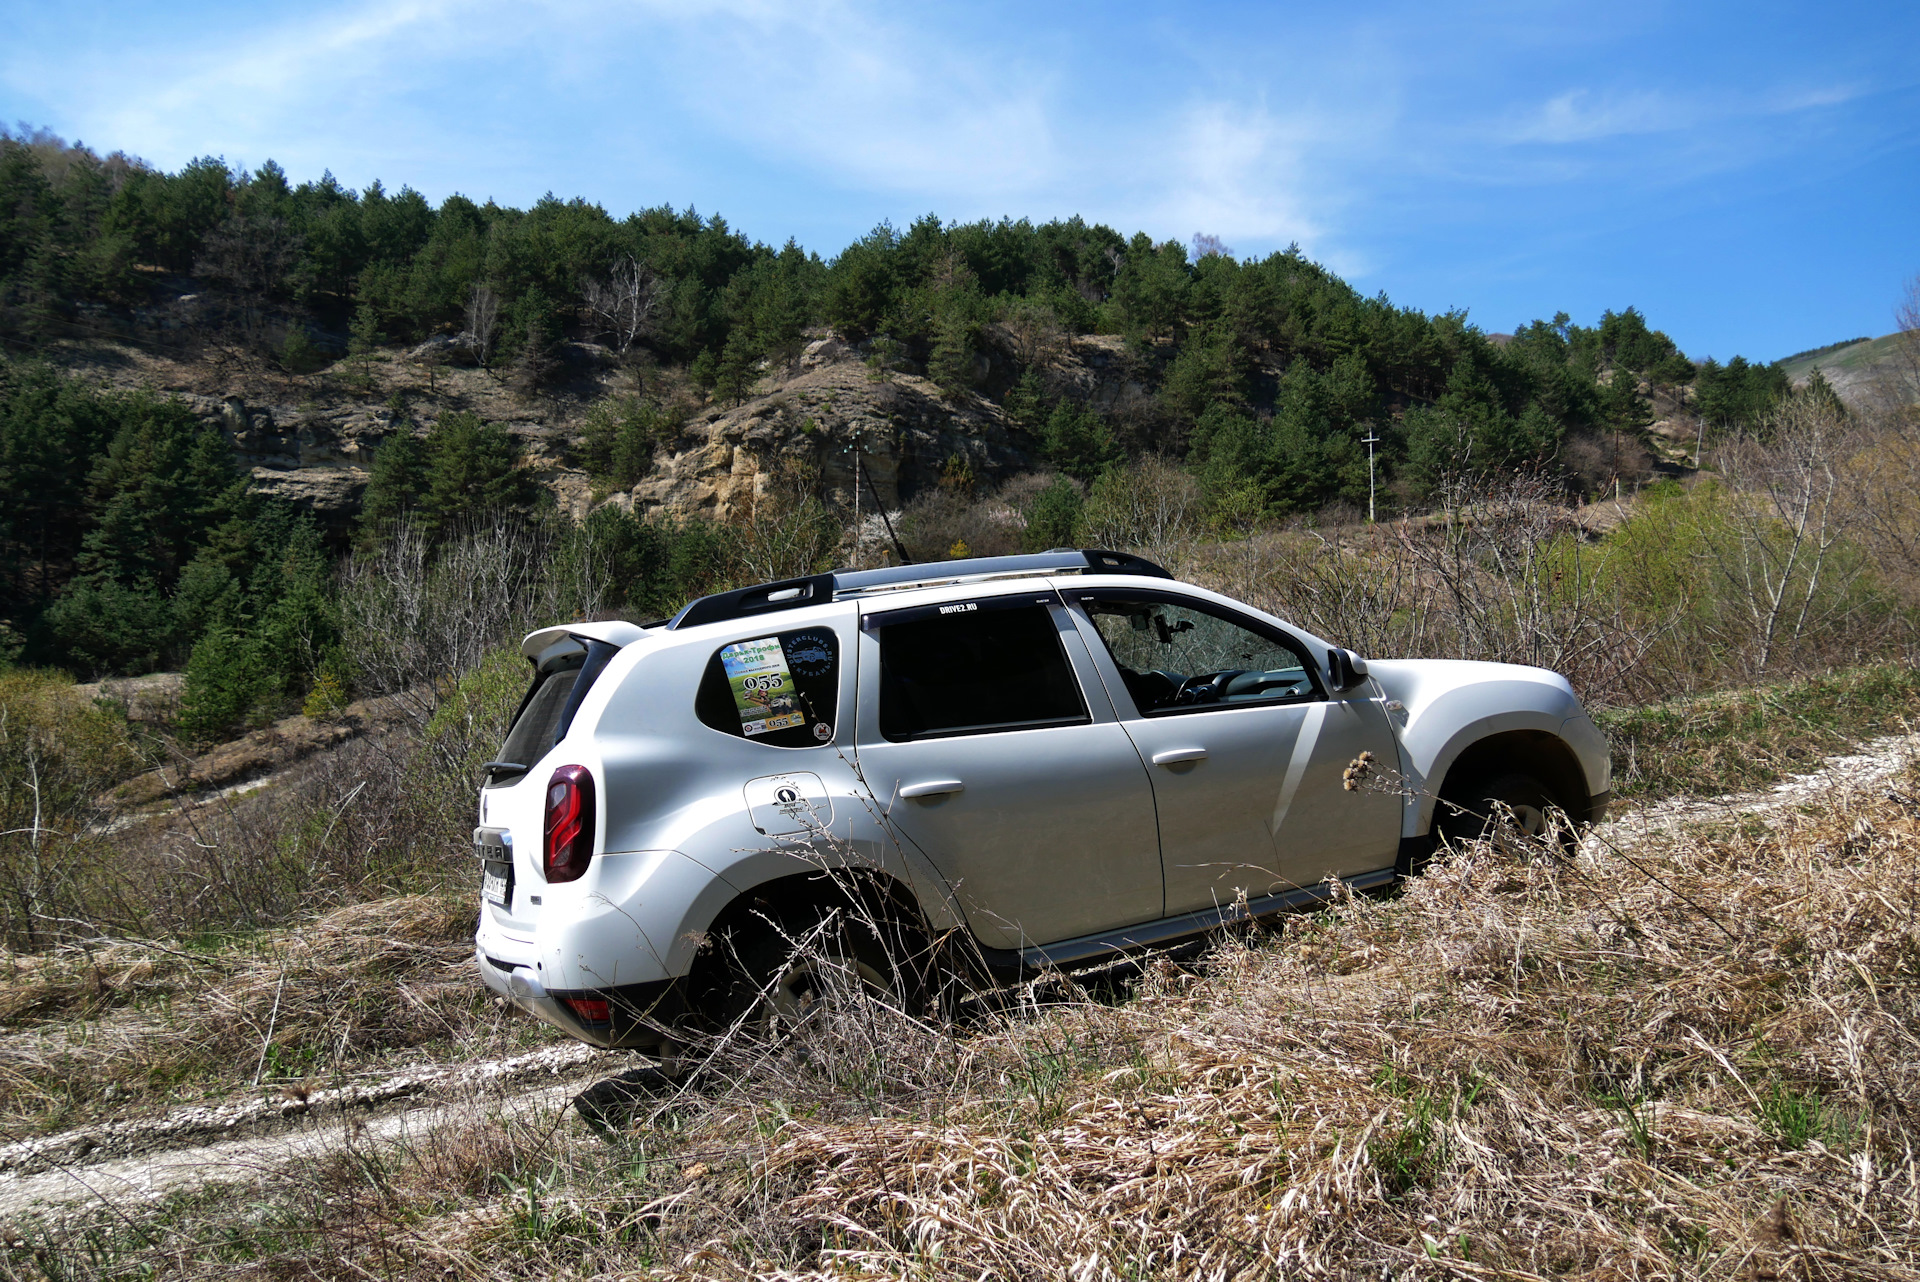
(1245, 748)
(981, 745)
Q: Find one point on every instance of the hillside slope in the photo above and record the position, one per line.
(1866, 369)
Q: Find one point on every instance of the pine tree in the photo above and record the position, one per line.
(363, 339)
(397, 485)
(1078, 441)
(472, 468)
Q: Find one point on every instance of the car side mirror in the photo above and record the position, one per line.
(1345, 669)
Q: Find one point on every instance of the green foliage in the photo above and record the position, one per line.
(1749, 739)
(1151, 291)
(396, 485)
(98, 627)
(1213, 333)
(619, 437)
(1025, 402)
(363, 339)
(226, 679)
(472, 467)
(1412, 1152)
(265, 618)
(1053, 519)
(298, 353)
(1471, 429)
(1792, 1116)
(1078, 441)
(1303, 456)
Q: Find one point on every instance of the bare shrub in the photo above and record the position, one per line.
(1793, 580)
(1151, 506)
(58, 752)
(788, 532)
(1035, 335)
(417, 615)
(483, 322)
(944, 521)
(1604, 462)
(1500, 573)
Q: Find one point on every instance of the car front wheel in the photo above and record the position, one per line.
(1515, 798)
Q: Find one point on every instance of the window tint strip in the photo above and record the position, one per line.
(951, 609)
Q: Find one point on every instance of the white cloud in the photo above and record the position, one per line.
(1581, 116)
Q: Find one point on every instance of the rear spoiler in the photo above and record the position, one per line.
(615, 632)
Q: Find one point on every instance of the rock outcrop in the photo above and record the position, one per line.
(314, 443)
(907, 432)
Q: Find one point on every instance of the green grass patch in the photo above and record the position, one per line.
(1740, 740)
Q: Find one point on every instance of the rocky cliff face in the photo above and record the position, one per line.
(906, 431)
(314, 442)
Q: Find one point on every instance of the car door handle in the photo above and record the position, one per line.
(932, 788)
(1174, 756)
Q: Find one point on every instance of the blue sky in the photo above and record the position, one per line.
(1748, 175)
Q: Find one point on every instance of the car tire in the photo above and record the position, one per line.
(772, 979)
(1474, 814)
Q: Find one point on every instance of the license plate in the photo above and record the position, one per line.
(496, 884)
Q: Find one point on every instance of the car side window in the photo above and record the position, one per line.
(978, 667)
(782, 690)
(1178, 655)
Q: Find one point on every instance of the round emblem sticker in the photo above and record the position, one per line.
(822, 731)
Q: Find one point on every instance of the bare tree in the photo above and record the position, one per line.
(1511, 580)
(623, 304)
(418, 615)
(1900, 383)
(250, 256)
(1780, 546)
(1034, 331)
(1208, 245)
(1153, 507)
(483, 321)
(788, 531)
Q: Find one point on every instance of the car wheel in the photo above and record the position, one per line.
(777, 980)
(1478, 813)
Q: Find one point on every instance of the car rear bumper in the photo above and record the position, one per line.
(641, 1014)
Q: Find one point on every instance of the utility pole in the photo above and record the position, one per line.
(1372, 439)
(853, 448)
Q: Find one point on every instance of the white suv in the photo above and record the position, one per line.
(1047, 759)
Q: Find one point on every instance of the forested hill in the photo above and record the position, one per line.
(1075, 346)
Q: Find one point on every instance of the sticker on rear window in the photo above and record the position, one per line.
(762, 686)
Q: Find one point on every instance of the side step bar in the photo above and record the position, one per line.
(1151, 934)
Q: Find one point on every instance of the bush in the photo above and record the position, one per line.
(58, 752)
(1053, 517)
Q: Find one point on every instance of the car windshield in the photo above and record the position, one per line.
(1172, 655)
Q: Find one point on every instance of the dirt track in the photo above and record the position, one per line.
(252, 1137)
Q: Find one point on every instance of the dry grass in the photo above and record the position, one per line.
(1695, 1058)
(132, 1025)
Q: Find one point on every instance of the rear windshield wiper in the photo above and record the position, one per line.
(493, 766)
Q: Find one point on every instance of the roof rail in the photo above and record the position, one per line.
(817, 589)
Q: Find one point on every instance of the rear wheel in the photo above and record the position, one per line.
(774, 979)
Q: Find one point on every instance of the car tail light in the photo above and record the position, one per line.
(591, 1010)
(569, 829)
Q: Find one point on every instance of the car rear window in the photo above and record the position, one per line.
(563, 673)
(783, 691)
(974, 668)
